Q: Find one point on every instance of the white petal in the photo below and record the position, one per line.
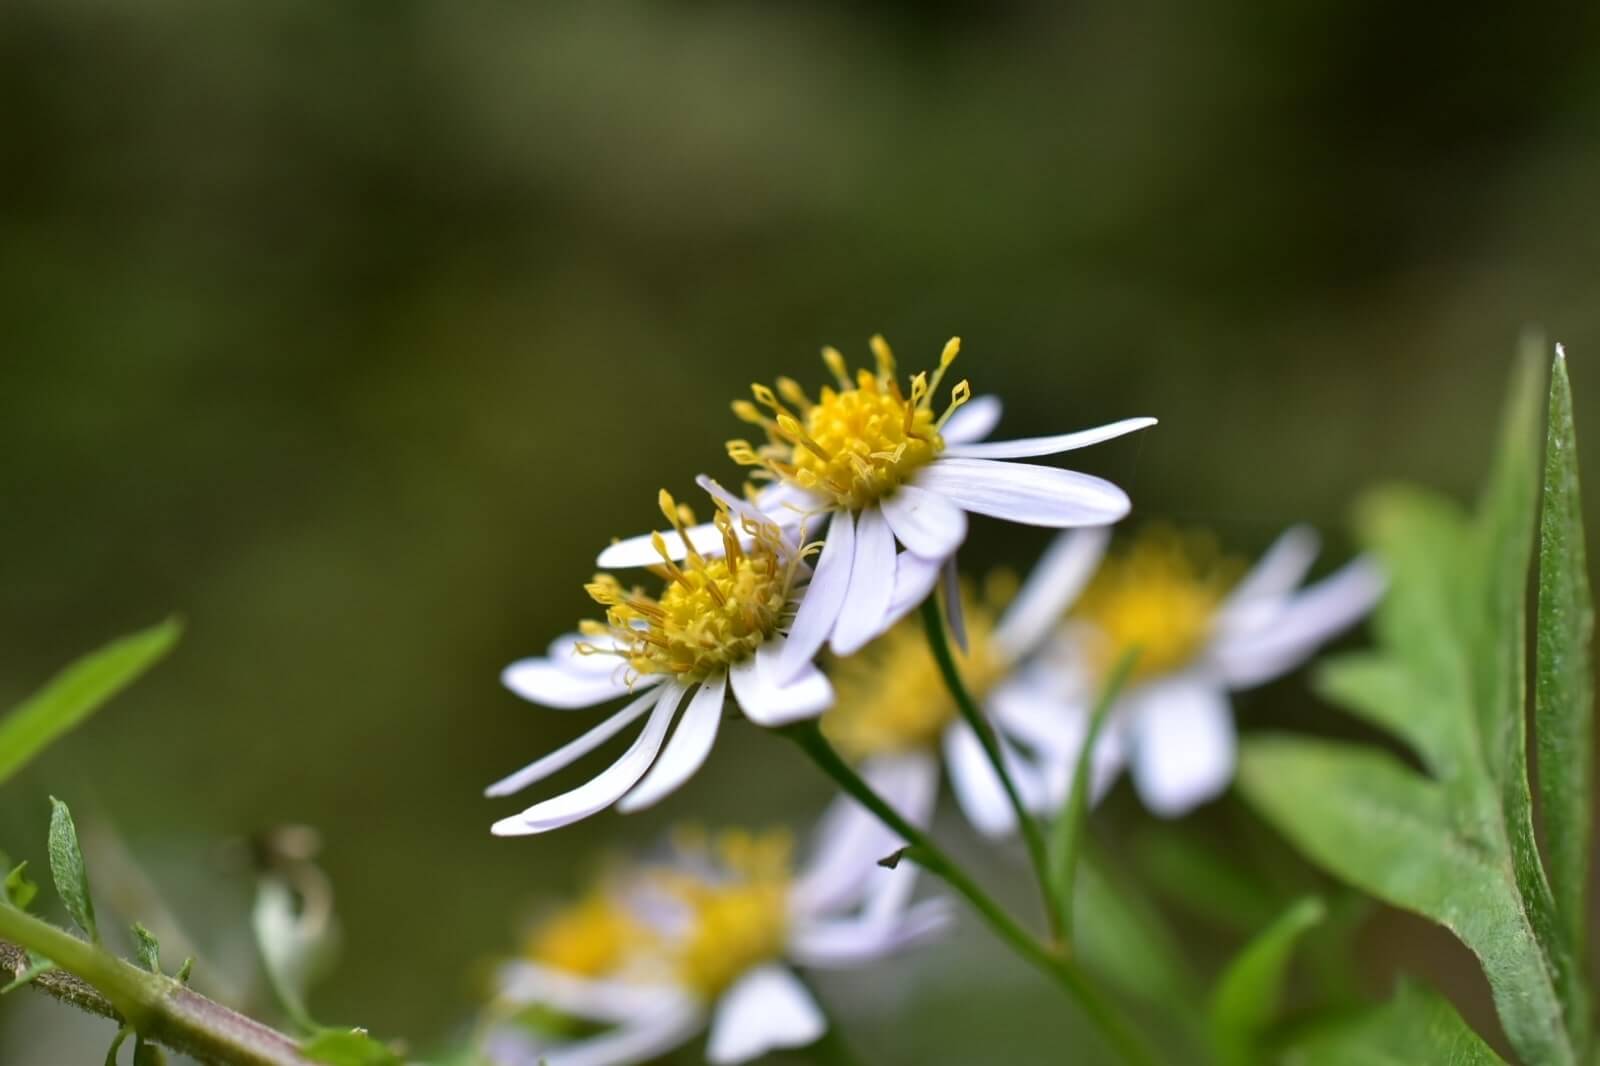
(973, 420)
(1061, 442)
(687, 750)
(787, 504)
(927, 524)
(1062, 573)
(823, 599)
(563, 652)
(848, 943)
(955, 615)
(977, 787)
(1056, 729)
(785, 520)
(564, 685)
(765, 1010)
(1265, 589)
(640, 550)
(871, 591)
(914, 578)
(1184, 745)
(524, 983)
(1317, 614)
(768, 703)
(645, 1039)
(571, 752)
(1030, 495)
(604, 790)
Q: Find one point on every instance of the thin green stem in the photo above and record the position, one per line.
(926, 853)
(160, 1009)
(1032, 834)
(1066, 843)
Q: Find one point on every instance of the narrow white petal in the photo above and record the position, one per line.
(914, 578)
(823, 599)
(571, 752)
(1062, 573)
(563, 652)
(1269, 584)
(977, 787)
(1030, 495)
(955, 615)
(765, 1010)
(523, 983)
(767, 702)
(640, 550)
(785, 519)
(1184, 745)
(564, 685)
(644, 1039)
(1055, 729)
(852, 942)
(686, 752)
(866, 604)
(1061, 442)
(602, 791)
(1316, 615)
(973, 420)
(786, 504)
(927, 524)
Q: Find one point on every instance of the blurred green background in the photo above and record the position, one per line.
(351, 331)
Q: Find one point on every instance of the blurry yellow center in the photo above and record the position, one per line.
(590, 938)
(1161, 596)
(714, 612)
(857, 442)
(890, 698)
(739, 921)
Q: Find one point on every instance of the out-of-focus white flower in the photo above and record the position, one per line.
(718, 626)
(713, 937)
(1202, 632)
(896, 720)
(885, 469)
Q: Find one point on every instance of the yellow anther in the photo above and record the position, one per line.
(958, 396)
(836, 366)
(885, 357)
(952, 348)
(791, 391)
(766, 398)
(746, 411)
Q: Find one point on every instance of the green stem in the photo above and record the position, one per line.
(1032, 835)
(160, 1009)
(1067, 839)
(927, 854)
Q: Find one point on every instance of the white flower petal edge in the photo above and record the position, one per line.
(1315, 615)
(686, 752)
(857, 942)
(524, 983)
(823, 600)
(766, 1010)
(1184, 744)
(955, 615)
(643, 1039)
(1052, 445)
(1061, 574)
(1270, 583)
(914, 578)
(768, 702)
(927, 524)
(871, 589)
(978, 789)
(973, 420)
(1023, 493)
(572, 751)
(609, 786)
(562, 684)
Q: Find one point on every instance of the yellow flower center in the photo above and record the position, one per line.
(1160, 595)
(714, 612)
(891, 698)
(738, 921)
(590, 938)
(856, 443)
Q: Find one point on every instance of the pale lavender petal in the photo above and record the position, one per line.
(866, 604)
(823, 599)
(765, 1010)
(973, 420)
(1055, 582)
(1030, 495)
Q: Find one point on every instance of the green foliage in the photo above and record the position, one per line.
(1126, 942)
(77, 692)
(19, 891)
(149, 948)
(1248, 994)
(348, 1047)
(1455, 844)
(68, 870)
(1417, 1026)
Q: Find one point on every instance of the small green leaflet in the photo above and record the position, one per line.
(19, 891)
(77, 692)
(348, 1047)
(1248, 994)
(1417, 1026)
(66, 866)
(148, 947)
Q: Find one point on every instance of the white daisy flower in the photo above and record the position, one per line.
(716, 936)
(887, 470)
(897, 721)
(716, 628)
(1201, 634)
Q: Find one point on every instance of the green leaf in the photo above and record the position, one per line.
(1392, 832)
(77, 692)
(1564, 694)
(37, 965)
(149, 948)
(19, 891)
(1417, 1026)
(185, 970)
(1198, 876)
(66, 866)
(1125, 941)
(348, 1047)
(1248, 994)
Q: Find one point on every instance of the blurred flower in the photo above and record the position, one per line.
(717, 625)
(886, 469)
(712, 935)
(1201, 632)
(895, 718)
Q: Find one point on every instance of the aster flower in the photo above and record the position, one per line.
(717, 627)
(886, 469)
(715, 933)
(896, 720)
(1202, 632)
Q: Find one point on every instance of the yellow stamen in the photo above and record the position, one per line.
(593, 937)
(740, 916)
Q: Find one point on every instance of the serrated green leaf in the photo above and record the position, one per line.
(1417, 1026)
(1248, 994)
(1564, 696)
(19, 890)
(37, 965)
(149, 948)
(348, 1047)
(77, 692)
(67, 867)
(1386, 829)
